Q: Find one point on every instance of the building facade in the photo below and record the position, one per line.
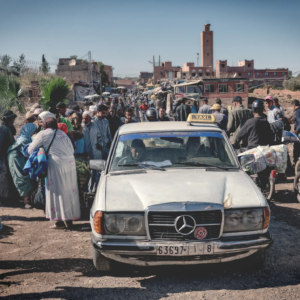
(189, 71)
(76, 70)
(128, 83)
(245, 69)
(165, 70)
(144, 77)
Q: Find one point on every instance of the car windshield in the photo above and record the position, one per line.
(162, 150)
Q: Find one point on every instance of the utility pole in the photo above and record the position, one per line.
(90, 72)
(153, 70)
(159, 70)
(100, 81)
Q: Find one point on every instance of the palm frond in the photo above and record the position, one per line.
(54, 91)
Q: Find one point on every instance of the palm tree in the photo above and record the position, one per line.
(10, 94)
(54, 91)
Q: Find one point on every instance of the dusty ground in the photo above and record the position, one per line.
(39, 263)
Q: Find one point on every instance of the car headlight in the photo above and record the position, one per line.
(244, 220)
(124, 224)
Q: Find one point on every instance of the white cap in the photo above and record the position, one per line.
(93, 108)
(87, 113)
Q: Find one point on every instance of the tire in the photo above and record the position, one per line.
(295, 184)
(256, 261)
(101, 263)
(297, 167)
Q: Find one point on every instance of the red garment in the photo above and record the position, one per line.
(63, 127)
(144, 107)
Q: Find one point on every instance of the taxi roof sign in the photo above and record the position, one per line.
(201, 118)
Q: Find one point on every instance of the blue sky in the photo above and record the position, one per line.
(126, 34)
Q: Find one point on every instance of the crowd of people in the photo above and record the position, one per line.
(66, 133)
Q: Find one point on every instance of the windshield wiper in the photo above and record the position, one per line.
(143, 166)
(203, 165)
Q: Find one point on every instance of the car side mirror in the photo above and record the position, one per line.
(246, 160)
(97, 164)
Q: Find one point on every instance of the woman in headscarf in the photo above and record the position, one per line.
(17, 161)
(7, 132)
(62, 201)
(120, 112)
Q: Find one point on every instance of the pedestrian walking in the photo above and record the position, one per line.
(16, 161)
(221, 119)
(237, 118)
(62, 199)
(204, 109)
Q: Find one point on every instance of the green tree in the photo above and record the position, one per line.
(44, 68)
(10, 94)
(5, 61)
(290, 74)
(53, 91)
(73, 56)
(19, 64)
(103, 74)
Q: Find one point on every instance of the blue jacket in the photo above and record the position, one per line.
(36, 163)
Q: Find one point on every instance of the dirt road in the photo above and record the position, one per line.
(40, 263)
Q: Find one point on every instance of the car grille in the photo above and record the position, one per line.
(162, 224)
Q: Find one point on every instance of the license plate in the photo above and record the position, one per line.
(196, 249)
(173, 250)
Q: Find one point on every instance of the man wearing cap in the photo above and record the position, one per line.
(273, 111)
(237, 118)
(7, 132)
(204, 109)
(93, 110)
(221, 119)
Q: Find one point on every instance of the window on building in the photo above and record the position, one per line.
(266, 74)
(249, 65)
(207, 72)
(30, 93)
(207, 54)
(193, 73)
(283, 73)
(240, 74)
(193, 89)
(257, 74)
(183, 75)
(200, 73)
(223, 65)
(207, 40)
(249, 74)
(162, 64)
(239, 88)
(209, 88)
(275, 73)
(223, 88)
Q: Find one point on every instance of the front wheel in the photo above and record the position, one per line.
(256, 261)
(101, 263)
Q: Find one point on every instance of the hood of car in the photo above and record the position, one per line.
(135, 192)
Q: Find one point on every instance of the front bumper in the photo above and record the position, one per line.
(145, 253)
